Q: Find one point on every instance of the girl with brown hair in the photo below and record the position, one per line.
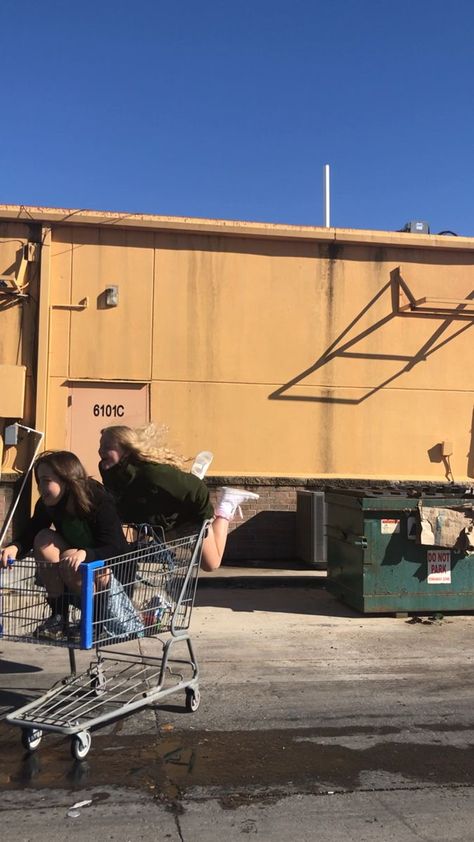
(86, 528)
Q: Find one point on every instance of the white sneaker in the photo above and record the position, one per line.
(201, 463)
(230, 501)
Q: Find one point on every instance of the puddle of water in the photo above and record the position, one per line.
(178, 763)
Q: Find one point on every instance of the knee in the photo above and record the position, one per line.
(210, 560)
(43, 540)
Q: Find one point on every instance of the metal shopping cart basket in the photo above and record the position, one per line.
(146, 597)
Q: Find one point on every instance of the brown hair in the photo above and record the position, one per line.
(71, 471)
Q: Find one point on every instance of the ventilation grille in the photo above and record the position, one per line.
(311, 528)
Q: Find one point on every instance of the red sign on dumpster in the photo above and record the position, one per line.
(439, 567)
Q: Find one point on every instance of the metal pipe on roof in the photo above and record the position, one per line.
(327, 197)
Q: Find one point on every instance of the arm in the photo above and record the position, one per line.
(41, 519)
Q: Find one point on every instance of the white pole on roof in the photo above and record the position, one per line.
(327, 197)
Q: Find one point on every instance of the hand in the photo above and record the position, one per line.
(71, 559)
(6, 553)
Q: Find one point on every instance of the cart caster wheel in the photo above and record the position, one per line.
(80, 745)
(31, 738)
(193, 699)
(99, 684)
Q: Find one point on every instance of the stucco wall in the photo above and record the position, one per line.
(18, 333)
(284, 355)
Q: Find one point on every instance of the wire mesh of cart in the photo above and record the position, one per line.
(140, 603)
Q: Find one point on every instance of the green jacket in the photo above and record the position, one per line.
(158, 494)
(99, 533)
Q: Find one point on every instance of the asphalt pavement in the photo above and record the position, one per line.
(315, 723)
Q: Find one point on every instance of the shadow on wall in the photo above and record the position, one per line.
(470, 455)
(345, 347)
(267, 535)
(435, 455)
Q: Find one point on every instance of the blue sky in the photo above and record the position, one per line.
(230, 110)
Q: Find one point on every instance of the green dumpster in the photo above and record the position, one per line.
(375, 562)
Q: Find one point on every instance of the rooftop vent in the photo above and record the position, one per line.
(416, 226)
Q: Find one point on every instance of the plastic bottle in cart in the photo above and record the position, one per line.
(154, 611)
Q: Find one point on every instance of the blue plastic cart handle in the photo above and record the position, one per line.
(88, 569)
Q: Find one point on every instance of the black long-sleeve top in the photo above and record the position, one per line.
(101, 530)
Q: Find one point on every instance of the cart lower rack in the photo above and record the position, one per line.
(144, 596)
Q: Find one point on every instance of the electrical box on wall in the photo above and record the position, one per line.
(12, 391)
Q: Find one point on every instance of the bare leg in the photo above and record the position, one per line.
(48, 547)
(214, 544)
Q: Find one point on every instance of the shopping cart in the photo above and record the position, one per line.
(138, 601)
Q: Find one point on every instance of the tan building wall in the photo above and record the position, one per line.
(281, 349)
(19, 291)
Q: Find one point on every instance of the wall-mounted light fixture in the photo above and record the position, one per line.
(111, 296)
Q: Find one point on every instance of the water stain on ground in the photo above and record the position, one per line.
(254, 763)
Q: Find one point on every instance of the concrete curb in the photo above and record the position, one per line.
(258, 580)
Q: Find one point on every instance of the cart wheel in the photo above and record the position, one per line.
(80, 745)
(31, 738)
(193, 699)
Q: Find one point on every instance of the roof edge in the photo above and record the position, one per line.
(226, 227)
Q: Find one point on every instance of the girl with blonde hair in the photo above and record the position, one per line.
(149, 485)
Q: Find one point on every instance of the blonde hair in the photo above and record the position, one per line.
(145, 443)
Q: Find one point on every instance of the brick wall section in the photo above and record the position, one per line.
(266, 532)
(268, 528)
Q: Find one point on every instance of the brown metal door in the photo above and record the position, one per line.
(93, 406)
